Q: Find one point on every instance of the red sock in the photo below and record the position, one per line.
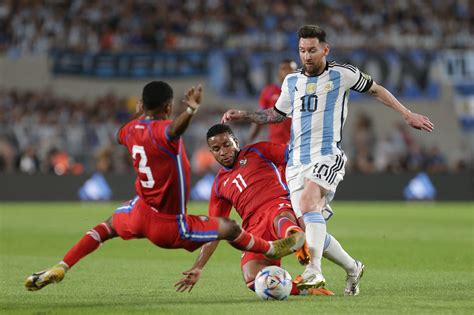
(87, 244)
(284, 224)
(249, 242)
(294, 289)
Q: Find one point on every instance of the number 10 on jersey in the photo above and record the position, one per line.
(309, 103)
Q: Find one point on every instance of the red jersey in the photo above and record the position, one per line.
(161, 164)
(280, 132)
(252, 184)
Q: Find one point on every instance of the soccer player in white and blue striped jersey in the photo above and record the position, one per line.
(316, 98)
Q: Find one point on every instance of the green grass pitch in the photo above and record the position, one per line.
(419, 258)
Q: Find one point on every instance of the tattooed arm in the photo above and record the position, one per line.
(261, 117)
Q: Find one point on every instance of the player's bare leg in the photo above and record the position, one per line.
(311, 202)
(286, 224)
(88, 243)
(240, 239)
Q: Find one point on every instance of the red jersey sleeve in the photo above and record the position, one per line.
(268, 96)
(262, 100)
(277, 153)
(218, 206)
(160, 133)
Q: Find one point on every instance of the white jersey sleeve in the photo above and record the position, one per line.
(283, 104)
(355, 79)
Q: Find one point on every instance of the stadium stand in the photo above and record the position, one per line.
(36, 27)
(36, 104)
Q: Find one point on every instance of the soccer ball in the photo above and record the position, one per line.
(273, 283)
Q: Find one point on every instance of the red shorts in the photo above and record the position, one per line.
(263, 226)
(136, 219)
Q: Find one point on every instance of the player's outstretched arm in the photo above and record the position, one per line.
(261, 117)
(191, 276)
(415, 120)
(193, 100)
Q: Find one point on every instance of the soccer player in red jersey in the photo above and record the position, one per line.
(277, 133)
(251, 183)
(158, 212)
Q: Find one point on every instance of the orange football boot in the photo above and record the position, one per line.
(301, 254)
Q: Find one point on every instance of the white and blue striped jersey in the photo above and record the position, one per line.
(318, 107)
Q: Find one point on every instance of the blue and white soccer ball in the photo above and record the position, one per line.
(273, 283)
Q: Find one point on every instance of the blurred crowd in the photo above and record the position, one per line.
(38, 26)
(41, 132)
(398, 151)
(44, 132)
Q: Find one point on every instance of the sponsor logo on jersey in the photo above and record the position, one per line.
(310, 88)
(243, 162)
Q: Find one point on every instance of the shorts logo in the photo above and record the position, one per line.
(203, 218)
(320, 170)
(281, 205)
(243, 162)
(328, 173)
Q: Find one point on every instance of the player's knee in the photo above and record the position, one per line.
(112, 232)
(286, 214)
(229, 229)
(309, 204)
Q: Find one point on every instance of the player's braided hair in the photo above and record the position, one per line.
(312, 31)
(156, 94)
(218, 129)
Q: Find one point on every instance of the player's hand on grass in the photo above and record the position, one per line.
(232, 114)
(193, 97)
(187, 283)
(419, 122)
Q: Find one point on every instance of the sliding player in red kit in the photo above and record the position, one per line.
(251, 183)
(158, 212)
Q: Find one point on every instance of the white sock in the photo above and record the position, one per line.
(335, 253)
(315, 236)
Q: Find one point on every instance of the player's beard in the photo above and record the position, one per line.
(236, 153)
(310, 70)
(314, 69)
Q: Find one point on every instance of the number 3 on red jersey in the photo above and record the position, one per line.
(142, 168)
